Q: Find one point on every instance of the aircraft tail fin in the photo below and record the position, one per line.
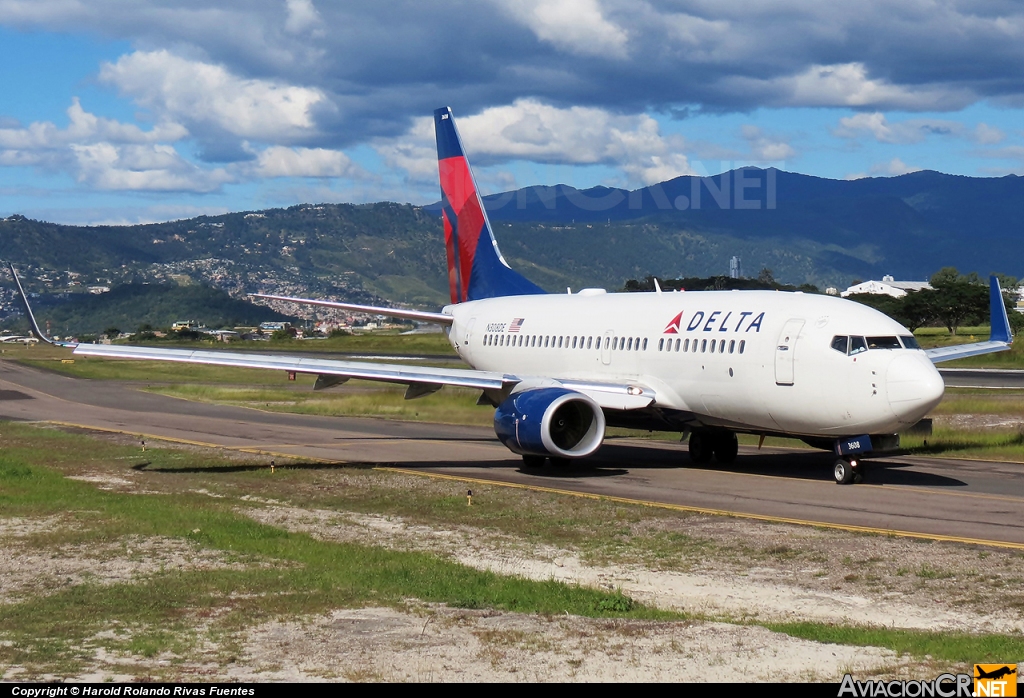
(476, 268)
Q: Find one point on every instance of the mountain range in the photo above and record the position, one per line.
(805, 229)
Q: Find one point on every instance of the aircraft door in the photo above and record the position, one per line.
(606, 347)
(466, 348)
(785, 351)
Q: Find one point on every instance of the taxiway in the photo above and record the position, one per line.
(970, 501)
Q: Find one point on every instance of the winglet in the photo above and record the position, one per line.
(31, 316)
(997, 308)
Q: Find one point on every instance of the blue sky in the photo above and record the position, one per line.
(155, 110)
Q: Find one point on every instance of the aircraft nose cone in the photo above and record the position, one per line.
(913, 387)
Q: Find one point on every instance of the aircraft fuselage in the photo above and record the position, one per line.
(745, 360)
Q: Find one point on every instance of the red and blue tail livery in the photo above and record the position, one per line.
(476, 269)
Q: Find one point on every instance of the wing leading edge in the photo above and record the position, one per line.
(422, 380)
(1000, 336)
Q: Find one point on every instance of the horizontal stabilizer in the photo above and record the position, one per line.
(421, 315)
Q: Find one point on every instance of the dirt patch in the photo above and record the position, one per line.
(28, 571)
(979, 422)
(449, 645)
(749, 575)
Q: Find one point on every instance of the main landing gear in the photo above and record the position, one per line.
(723, 445)
(848, 470)
(538, 462)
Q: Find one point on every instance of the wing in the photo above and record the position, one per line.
(1000, 336)
(421, 380)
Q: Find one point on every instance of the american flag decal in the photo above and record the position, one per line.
(516, 324)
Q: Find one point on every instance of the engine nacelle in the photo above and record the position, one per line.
(550, 422)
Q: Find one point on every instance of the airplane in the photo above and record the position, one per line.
(995, 673)
(561, 368)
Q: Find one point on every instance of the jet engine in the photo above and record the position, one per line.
(550, 421)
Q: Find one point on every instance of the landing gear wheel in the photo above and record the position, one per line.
(533, 461)
(701, 448)
(726, 446)
(844, 472)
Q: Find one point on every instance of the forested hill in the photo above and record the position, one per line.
(129, 306)
(805, 229)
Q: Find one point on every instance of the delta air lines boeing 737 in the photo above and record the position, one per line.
(560, 368)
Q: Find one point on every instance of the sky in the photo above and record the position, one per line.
(115, 111)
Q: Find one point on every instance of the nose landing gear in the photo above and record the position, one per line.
(848, 470)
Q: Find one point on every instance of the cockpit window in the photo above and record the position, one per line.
(840, 343)
(884, 343)
(857, 345)
(909, 341)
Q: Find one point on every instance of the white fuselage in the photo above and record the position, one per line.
(747, 360)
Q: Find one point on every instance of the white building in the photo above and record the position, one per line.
(887, 286)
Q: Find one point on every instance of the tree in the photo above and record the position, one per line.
(944, 277)
(766, 276)
(111, 332)
(958, 302)
(917, 309)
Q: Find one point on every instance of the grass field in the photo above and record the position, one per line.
(194, 499)
(274, 572)
(271, 390)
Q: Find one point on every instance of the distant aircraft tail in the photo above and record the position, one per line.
(476, 268)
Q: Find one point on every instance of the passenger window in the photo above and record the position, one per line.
(721, 347)
(857, 345)
(743, 344)
(661, 344)
(712, 346)
(606, 342)
(703, 345)
(909, 341)
(645, 343)
(732, 345)
(841, 343)
(686, 345)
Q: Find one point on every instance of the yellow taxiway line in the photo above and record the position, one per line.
(716, 512)
(571, 493)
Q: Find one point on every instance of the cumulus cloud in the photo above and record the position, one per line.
(142, 168)
(110, 155)
(285, 86)
(542, 133)
(92, 146)
(387, 62)
(987, 135)
(281, 161)
(206, 95)
(575, 26)
(764, 147)
(878, 126)
(303, 17)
